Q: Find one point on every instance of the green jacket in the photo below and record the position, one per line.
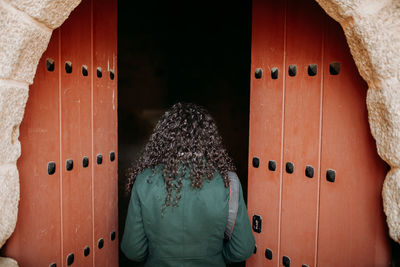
(190, 234)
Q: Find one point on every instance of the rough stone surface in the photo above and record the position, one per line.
(391, 202)
(9, 198)
(384, 117)
(13, 98)
(7, 262)
(22, 43)
(372, 29)
(50, 12)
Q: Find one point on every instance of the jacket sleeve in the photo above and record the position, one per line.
(134, 241)
(241, 245)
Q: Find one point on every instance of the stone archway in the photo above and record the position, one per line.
(372, 29)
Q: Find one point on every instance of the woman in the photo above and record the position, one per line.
(180, 193)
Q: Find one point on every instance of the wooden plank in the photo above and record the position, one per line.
(105, 131)
(265, 134)
(301, 132)
(352, 228)
(76, 136)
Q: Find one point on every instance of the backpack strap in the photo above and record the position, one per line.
(233, 204)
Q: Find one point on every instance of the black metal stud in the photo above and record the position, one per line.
(86, 251)
(258, 73)
(99, 159)
(268, 254)
(330, 175)
(257, 222)
(100, 243)
(289, 167)
(272, 165)
(53, 264)
(112, 74)
(85, 162)
(274, 73)
(51, 167)
(312, 69)
(69, 164)
(255, 249)
(334, 68)
(292, 70)
(304, 265)
(112, 236)
(112, 156)
(50, 64)
(85, 70)
(309, 171)
(70, 259)
(256, 162)
(286, 261)
(99, 72)
(68, 67)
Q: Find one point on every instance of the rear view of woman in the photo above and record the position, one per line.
(180, 197)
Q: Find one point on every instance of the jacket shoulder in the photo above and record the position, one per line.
(148, 175)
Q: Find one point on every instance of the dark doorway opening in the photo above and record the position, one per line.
(193, 51)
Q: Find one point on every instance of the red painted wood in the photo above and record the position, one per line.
(352, 228)
(76, 136)
(52, 225)
(105, 131)
(265, 142)
(37, 237)
(301, 132)
(325, 126)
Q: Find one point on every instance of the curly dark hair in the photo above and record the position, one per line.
(185, 138)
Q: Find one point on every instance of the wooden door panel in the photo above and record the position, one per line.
(352, 229)
(76, 136)
(105, 132)
(301, 132)
(38, 226)
(266, 127)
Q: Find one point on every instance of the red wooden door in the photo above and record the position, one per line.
(314, 175)
(68, 207)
